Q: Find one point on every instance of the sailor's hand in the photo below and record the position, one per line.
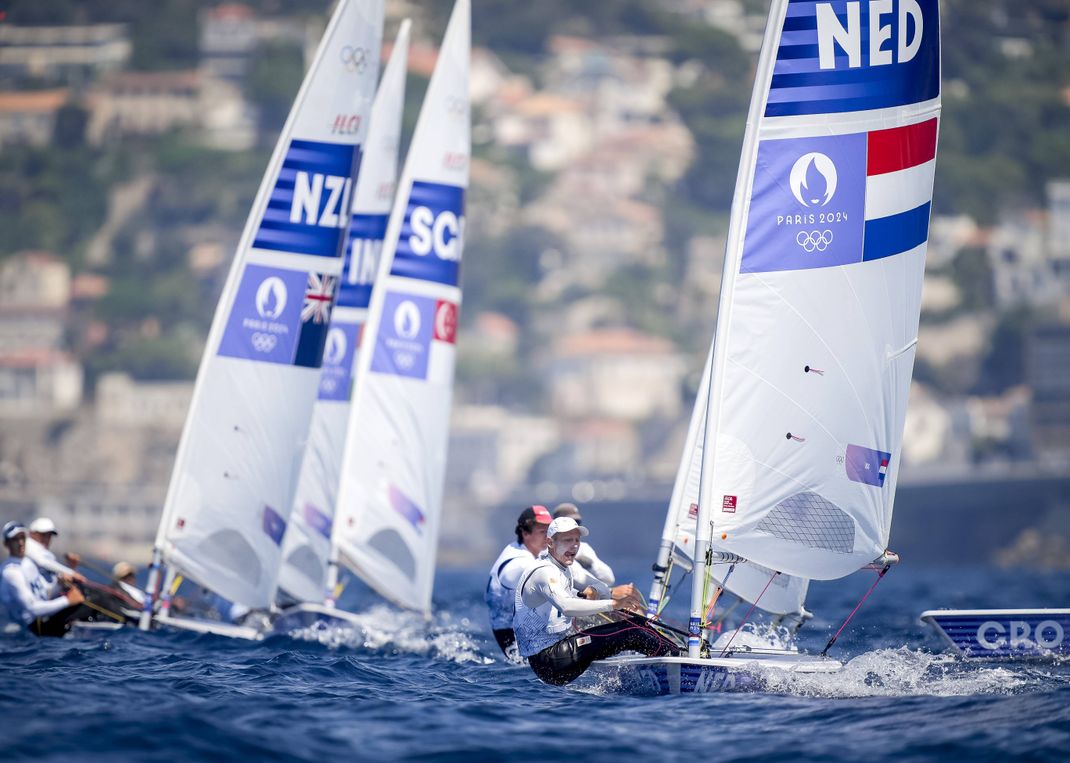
(79, 578)
(75, 596)
(626, 597)
(73, 560)
(589, 593)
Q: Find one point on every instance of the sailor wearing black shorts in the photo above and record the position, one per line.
(547, 601)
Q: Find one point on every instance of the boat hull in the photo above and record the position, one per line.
(655, 676)
(210, 626)
(307, 615)
(1003, 634)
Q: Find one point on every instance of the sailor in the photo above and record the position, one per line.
(547, 600)
(28, 596)
(586, 557)
(42, 531)
(125, 579)
(506, 571)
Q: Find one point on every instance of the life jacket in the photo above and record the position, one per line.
(537, 628)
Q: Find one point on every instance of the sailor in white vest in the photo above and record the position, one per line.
(30, 600)
(506, 571)
(586, 557)
(554, 590)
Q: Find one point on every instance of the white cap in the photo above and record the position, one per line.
(564, 525)
(43, 525)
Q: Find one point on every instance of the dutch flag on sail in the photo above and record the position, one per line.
(900, 163)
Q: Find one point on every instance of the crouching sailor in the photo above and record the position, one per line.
(547, 600)
(506, 571)
(28, 597)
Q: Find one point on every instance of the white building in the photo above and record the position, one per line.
(616, 374)
(122, 401)
(492, 449)
(71, 53)
(28, 117)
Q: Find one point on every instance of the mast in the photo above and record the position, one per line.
(733, 252)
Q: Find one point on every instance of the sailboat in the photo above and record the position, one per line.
(389, 499)
(818, 317)
(236, 468)
(305, 582)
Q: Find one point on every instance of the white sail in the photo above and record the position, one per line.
(236, 468)
(782, 594)
(390, 497)
(822, 284)
(307, 545)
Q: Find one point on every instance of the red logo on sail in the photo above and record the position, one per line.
(446, 321)
(728, 505)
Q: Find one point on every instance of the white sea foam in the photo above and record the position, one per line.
(382, 628)
(901, 673)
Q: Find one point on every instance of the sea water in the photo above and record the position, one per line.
(400, 688)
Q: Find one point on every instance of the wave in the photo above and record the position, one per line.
(385, 630)
(905, 672)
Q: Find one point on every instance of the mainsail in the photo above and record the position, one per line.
(390, 497)
(780, 594)
(306, 548)
(821, 290)
(236, 468)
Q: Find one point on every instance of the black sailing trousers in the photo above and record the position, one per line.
(566, 660)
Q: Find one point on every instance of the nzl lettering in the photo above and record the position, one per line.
(309, 190)
(831, 34)
(444, 234)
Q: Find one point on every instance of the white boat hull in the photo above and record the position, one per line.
(308, 615)
(210, 626)
(654, 676)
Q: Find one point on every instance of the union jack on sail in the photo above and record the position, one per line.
(318, 296)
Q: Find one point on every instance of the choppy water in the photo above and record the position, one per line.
(400, 688)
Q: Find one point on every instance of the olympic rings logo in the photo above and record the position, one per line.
(264, 342)
(404, 360)
(355, 59)
(814, 241)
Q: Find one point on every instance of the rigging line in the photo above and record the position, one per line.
(821, 340)
(729, 610)
(747, 616)
(107, 612)
(858, 606)
(669, 591)
(720, 590)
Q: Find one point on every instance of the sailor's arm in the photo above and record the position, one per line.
(47, 561)
(36, 607)
(553, 588)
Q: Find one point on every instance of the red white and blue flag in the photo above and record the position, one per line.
(900, 164)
